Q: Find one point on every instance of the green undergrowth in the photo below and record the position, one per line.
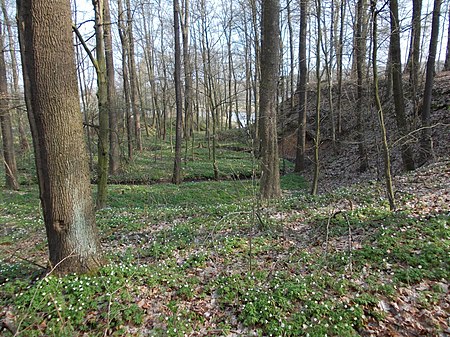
(155, 162)
(208, 257)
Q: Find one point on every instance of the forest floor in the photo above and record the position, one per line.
(207, 258)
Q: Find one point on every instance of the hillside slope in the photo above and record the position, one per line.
(340, 162)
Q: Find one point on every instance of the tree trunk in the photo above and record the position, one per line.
(150, 63)
(397, 85)
(318, 99)
(300, 163)
(9, 159)
(328, 57)
(56, 122)
(412, 64)
(387, 157)
(114, 151)
(103, 107)
(248, 72)
(447, 55)
(414, 56)
(23, 141)
(426, 141)
(166, 109)
(270, 50)
(230, 68)
(188, 120)
(256, 71)
(291, 89)
(176, 178)
(134, 95)
(126, 82)
(339, 60)
(360, 58)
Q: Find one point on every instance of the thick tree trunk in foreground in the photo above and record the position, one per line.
(270, 55)
(56, 122)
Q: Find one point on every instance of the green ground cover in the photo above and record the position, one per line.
(207, 258)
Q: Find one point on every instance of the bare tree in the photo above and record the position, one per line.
(270, 50)
(426, 141)
(301, 89)
(412, 64)
(360, 51)
(397, 84)
(318, 98)
(339, 61)
(9, 158)
(134, 95)
(387, 157)
(187, 71)
(257, 67)
(126, 78)
(176, 178)
(447, 54)
(114, 151)
(103, 105)
(24, 145)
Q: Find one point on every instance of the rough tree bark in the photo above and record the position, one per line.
(270, 50)
(56, 122)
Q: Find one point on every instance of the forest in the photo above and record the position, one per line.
(225, 168)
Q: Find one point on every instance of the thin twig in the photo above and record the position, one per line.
(350, 246)
(410, 134)
(31, 262)
(37, 289)
(327, 233)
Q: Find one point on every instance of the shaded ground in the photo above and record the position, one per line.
(207, 259)
(341, 260)
(340, 163)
